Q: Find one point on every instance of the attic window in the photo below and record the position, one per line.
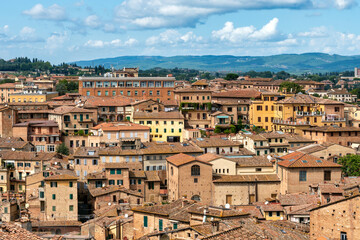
(304, 161)
(319, 161)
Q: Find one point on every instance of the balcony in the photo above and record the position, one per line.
(332, 119)
(309, 114)
(290, 123)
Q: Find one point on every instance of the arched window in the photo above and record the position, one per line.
(196, 198)
(195, 170)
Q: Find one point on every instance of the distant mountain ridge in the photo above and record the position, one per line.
(293, 63)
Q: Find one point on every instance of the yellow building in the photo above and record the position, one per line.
(164, 126)
(262, 111)
(302, 111)
(273, 211)
(36, 96)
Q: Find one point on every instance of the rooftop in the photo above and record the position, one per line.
(158, 115)
(303, 160)
(247, 178)
(120, 126)
(181, 159)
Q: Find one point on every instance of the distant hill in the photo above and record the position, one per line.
(293, 63)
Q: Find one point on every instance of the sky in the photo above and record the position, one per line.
(65, 31)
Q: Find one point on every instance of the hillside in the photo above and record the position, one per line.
(293, 63)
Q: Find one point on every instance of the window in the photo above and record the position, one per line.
(195, 170)
(71, 184)
(94, 162)
(145, 221)
(278, 214)
(270, 214)
(5, 210)
(41, 194)
(302, 176)
(54, 196)
(259, 108)
(71, 196)
(51, 148)
(139, 181)
(160, 224)
(118, 171)
(120, 182)
(71, 208)
(150, 185)
(327, 175)
(259, 119)
(195, 180)
(112, 171)
(53, 184)
(175, 225)
(111, 182)
(258, 169)
(54, 208)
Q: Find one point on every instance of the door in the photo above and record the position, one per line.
(252, 198)
(229, 199)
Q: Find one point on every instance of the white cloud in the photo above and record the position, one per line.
(173, 37)
(315, 32)
(5, 28)
(92, 21)
(188, 13)
(230, 33)
(56, 40)
(27, 32)
(112, 43)
(345, 4)
(53, 12)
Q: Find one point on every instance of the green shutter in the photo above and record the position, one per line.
(145, 221)
(160, 224)
(71, 196)
(112, 171)
(54, 196)
(175, 226)
(118, 171)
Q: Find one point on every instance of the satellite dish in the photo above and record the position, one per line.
(27, 205)
(227, 205)
(109, 203)
(266, 203)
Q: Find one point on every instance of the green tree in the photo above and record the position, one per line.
(233, 129)
(231, 76)
(350, 165)
(62, 149)
(290, 87)
(217, 129)
(226, 131)
(316, 95)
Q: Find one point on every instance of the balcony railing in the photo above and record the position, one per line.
(284, 122)
(309, 114)
(330, 119)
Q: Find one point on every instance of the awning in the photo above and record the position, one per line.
(222, 116)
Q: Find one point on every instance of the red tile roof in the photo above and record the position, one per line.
(302, 160)
(120, 126)
(181, 159)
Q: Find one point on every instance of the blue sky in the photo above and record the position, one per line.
(63, 31)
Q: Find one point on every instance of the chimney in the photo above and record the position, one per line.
(215, 226)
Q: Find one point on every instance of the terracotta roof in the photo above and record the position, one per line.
(295, 199)
(181, 159)
(55, 223)
(110, 189)
(254, 211)
(241, 93)
(137, 174)
(60, 177)
(307, 99)
(201, 82)
(92, 101)
(11, 231)
(272, 207)
(117, 165)
(332, 129)
(247, 178)
(214, 142)
(150, 148)
(335, 202)
(302, 160)
(69, 109)
(152, 176)
(158, 115)
(215, 211)
(96, 175)
(8, 85)
(120, 126)
(84, 152)
(170, 210)
(207, 157)
(169, 102)
(303, 209)
(11, 142)
(255, 161)
(35, 156)
(193, 90)
(37, 123)
(295, 138)
(256, 137)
